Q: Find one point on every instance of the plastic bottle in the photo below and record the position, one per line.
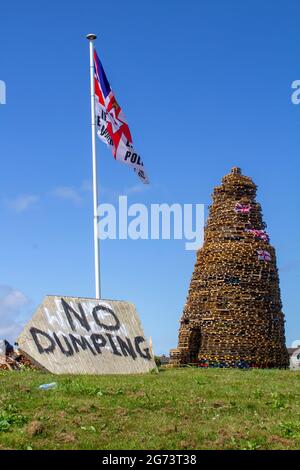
(48, 386)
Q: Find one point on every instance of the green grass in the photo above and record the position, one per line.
(175, 409)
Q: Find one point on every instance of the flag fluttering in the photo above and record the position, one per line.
(112, 127)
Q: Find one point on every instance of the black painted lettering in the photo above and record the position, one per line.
(82, 343)
(67, 352)
(42, 349)
(104, 308)
(145, 354)
(126, 347)
(113, 346)
(98, 341)
(69, 311)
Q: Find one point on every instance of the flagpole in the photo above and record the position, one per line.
(91, 38)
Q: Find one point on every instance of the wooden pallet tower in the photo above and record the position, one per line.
(233, 317)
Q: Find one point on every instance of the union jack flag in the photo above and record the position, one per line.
(244, 208)
(263, 255)
(112, 127)
(259, 234)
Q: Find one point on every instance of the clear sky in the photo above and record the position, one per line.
(205, 85)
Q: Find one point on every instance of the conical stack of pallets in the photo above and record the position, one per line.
(233, 316)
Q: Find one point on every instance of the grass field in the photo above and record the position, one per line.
(175, 409)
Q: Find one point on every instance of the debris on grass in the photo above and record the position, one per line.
(48, 386)
(12, 359)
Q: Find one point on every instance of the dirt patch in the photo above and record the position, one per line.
(138, 393)
(24, 389)
(187, 444)
(34, 428)
(83, 409)
(279, 440)
(218, 404)
(77, 420)
(121, 411)
(65, 437)
(169, 429)
(225, 438)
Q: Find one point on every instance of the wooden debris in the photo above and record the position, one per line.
(13, 359)
(233, 315)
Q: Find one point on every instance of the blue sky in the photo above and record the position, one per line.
(205, 85)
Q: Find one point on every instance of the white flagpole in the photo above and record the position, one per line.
(91, 38)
